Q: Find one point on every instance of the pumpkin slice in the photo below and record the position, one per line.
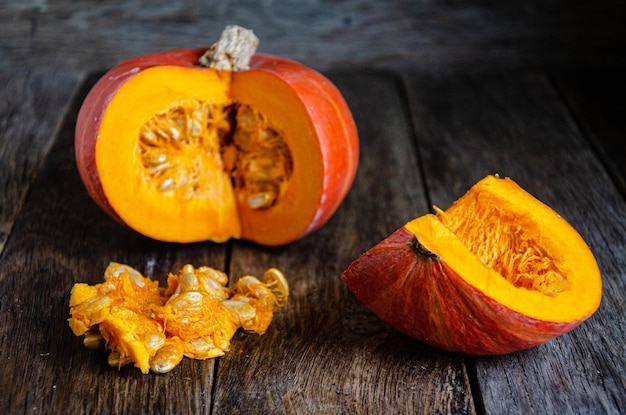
(497, 272)
(183, 152)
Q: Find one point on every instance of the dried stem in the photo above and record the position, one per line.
(232, 51)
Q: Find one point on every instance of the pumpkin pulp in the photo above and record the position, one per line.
(198, 157)
(196, 315)
(515, 250)
(177, 146)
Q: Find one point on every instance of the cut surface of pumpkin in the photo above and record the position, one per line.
(498, 271)
(156, 162)
(185, 153)
(529, 258)
(206, 155)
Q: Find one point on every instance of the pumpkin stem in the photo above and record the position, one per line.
(232, 51)
(421, 250)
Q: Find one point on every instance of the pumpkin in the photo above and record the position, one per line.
(497, 272)
(184, 147)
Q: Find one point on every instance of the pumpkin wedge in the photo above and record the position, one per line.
(497, 272)
(182, 147)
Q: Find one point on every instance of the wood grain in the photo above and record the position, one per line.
(325, 352)
(429, 35)
(443, 94)
(517, 126)
(597, 99)
(31, 104)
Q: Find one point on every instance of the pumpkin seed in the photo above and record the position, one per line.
(154, 341)
(116, 360)
(214, 274)
(93, 340)
(261, 200)
(173, 144)
(244, 310)
(275, 280)
(167, 357)
(178, 321)
(166, 184)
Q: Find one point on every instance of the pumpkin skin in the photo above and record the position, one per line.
(424, 281)
(306, 107)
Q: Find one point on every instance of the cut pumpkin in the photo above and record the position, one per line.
(497, 272)
(181, 152)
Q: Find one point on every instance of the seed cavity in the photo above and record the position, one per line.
(180, 146)
(502, 244)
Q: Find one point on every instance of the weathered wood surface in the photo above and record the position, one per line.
(476, 34)
(429, 126)
(32, 104)
(596, 97)
(325, 353)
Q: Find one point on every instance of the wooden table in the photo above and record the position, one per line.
(429, 129)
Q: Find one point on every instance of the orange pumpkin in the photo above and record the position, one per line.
(497, 272)
(183, 152)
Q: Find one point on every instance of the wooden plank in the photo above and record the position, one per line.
(325, 353)
(32, 102)
(425, 35)
(61, 238)
(596, 98)
(517, 126)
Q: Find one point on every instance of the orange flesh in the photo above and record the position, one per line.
(516, 250)
(297, 207)
(136, 200)
(500, 241)
(208, 165)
